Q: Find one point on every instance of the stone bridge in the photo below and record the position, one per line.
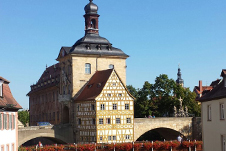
(61, 133)
(168, 127)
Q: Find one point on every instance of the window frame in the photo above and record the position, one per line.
(87, 68)
(114, 106)
(101, 121)
(118, 120)
(108, 120)
(223, 143)
(109, 138)
(209, 113)
(111, 66)
(102, 106)
(126, 106)
(222, 115)
(128, 120)
(127, 137)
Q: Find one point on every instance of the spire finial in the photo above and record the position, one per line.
(91, 1)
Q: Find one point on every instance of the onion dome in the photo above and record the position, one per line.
(91, 8)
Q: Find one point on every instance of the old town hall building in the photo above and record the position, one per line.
(86, 88)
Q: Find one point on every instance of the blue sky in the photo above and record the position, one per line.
(157, 34)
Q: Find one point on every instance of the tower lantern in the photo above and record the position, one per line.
(91, 18)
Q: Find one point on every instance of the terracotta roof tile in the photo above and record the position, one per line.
(95, 85)
(8, 98)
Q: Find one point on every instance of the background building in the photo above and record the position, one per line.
(213, 117)
(8, 118)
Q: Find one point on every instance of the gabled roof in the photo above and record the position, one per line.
(7, 101)
(95, 85)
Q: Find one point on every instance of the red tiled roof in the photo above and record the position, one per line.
(95, 85)
(8, 98)
(204, 88)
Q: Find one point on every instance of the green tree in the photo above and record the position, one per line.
(160, 98)
(23, 116)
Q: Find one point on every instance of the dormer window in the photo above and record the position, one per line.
(1, 88)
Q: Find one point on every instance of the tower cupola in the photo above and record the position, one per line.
(179, 80)
(91, 18)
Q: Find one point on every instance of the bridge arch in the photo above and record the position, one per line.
(182, 125)
(60, 132)
(46, 135)
(161, 133)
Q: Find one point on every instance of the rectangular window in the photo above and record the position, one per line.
(223, 143)
(114, 137)
(114, 106)
(126, 106)
(102, 107)
(12, 147)
(92, 107)
(120, 94)
(109, 95)
(87, 68)
(128, 120)
(4, 121)
(109, 138)
(118, 121)
(14, 122)
(93, 121)
(7, 147)
(101, 121)
(1, 89)
(209, 113)
(222, 111)
(10, 121)
(79, 121)
(127, 136)
(2, 148)
(108, 120)
(101, 138)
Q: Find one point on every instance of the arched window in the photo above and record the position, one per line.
(87, 68)
(111, 66)
(93, 23)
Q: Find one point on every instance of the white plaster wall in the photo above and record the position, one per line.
(212, 130)
(8, 136)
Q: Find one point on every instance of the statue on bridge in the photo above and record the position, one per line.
(181, 112)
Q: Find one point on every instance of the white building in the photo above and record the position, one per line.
(8, 118)
(213, 117)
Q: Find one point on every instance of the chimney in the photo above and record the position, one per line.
(200, 88)
(223, 74)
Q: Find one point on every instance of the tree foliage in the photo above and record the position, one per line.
(23, 116)
(160, 98)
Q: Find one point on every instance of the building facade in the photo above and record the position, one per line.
(8, 118)
(76, 67)
(213, 117)
(104, 110)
